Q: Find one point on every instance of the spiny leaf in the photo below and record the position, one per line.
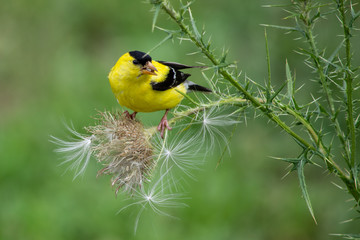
(290, 85)
(357, 121)
(330, 60)
(280, 27)
(307, 53)
(354, 16)
(299, 28)
(277, 92)
(301, 176)
(184, 8)
(321, 109)
(268, 85)
(156, 14)
(247, 84)
(169, 36)
(193, 25)
(223, 57)
(316, 16)
(256, 84)
(294, 161)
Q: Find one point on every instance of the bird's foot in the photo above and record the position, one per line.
(131, 116)
(164, 124)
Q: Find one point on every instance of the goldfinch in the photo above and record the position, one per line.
(144, 85)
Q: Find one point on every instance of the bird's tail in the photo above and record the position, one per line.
(194, 87)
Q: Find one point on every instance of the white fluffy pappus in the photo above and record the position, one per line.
(155, 196)
(213, 123)
(77, 151)
(178, 153)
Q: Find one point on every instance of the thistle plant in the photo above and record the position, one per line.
(335, 107)
(148, 168)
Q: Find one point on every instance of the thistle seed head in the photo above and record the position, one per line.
(123, 147)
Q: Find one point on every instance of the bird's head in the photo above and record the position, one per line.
(142, 62)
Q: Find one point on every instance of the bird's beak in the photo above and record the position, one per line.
(149, 69)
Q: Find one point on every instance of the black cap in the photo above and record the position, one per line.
(140, 57)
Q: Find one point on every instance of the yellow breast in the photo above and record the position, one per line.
(134, 91)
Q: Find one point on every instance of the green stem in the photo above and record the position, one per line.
(323, 79)
(349, 87)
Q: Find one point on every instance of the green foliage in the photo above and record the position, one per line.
(335, 73)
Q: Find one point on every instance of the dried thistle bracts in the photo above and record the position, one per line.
(122, 146)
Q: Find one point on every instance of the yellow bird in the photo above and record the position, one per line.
(144, 85)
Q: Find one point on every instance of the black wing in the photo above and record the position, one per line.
(178, 66)
(173, 79)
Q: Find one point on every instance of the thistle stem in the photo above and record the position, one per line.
(349, 88)
(327, 91)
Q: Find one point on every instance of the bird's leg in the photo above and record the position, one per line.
(131, 116)
(164, 124)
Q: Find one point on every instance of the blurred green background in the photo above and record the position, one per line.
(54, 61)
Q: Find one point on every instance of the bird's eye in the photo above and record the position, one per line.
(135, 62)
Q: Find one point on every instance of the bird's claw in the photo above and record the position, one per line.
(131, 116)
(164, 124)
